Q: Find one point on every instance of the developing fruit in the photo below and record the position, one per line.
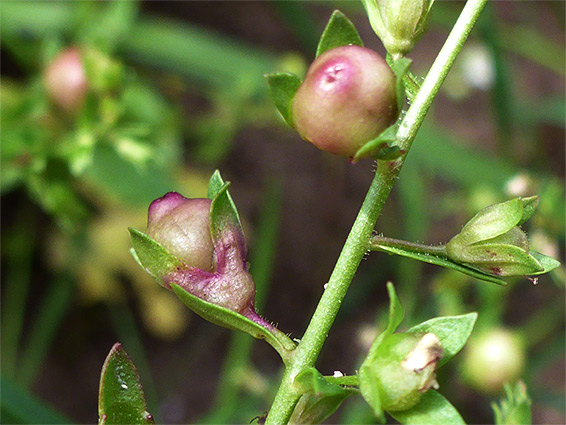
(65, 79)
(348, 97)
(182, 226)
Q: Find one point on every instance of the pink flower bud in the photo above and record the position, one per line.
(65, 79)
(182, 226)
(348, 97)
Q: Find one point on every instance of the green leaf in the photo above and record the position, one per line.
(453, 332)
(372, 147)
(396, 311)
(282, 88)
(515, 408)
(230, 319)
(214, 184)
(432, 409)
(547, 263)
(152, 256)
(400, 68)
(530, 205)
(441, 261)
(121, 399)
(370, 389)
(389, 153)
(339, 31)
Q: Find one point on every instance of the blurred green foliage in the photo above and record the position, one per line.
(72, 182)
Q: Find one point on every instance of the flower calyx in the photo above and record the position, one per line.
(493, 242)
(398, 23)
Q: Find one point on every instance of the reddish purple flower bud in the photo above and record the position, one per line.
(65, 79)
(348, 97)
(182, 226)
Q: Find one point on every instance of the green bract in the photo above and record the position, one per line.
(398, 23)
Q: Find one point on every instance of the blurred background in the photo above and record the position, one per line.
(163, 94)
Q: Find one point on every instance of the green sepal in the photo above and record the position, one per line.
(320, 399)
(282, 87)
(230, 319)
(152, 256)
(452, 331)
(515, 408)
(503, 260)
(374, 146)
(490, 222)
(121, 399)
(530, 205)
(368, 385)
(339, 31)
(389, 153)
(223, 212)
(443, 262)
(432, 409)
(547, 263)
(400, 68)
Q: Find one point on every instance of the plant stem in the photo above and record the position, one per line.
(377, 241)
(307, 351)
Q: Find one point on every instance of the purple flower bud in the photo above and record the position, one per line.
(348, 97)
(182, 226)
(65, 79)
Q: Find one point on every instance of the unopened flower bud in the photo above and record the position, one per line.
(405, 368)
(493, 243)
(398, 23)
(66, 81)
(493, 359)
(182, 226)
(348, 97)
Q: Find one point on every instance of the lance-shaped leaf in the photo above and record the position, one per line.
(282, 87)
(339, 31)
(452, 331)
(432, 409)
(375, 146)
(152, 256)
(400, 68)
(232, 320)
(530, 205)
(515, 408)
(501, 260)
(121, 399)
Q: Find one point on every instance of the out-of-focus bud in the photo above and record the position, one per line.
(398, 23)
(348, 97)
(493, 359)
(65, 79)
(493, 243)
(405, 368)
(182, 226)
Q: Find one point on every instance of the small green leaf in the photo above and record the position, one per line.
(223, 213)
(389, 153)
(453, 332)
(370, 389)
(441, 261)
(400, 68)
(396, 310)
(547, 263)
(515, 408)
(373, 146)
(230, 319)
(121, 399)
(282, 87)
(339, 31)
(152, 256)
(530, 205)
(432, 409)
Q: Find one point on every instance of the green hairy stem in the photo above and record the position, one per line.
(307, 352)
